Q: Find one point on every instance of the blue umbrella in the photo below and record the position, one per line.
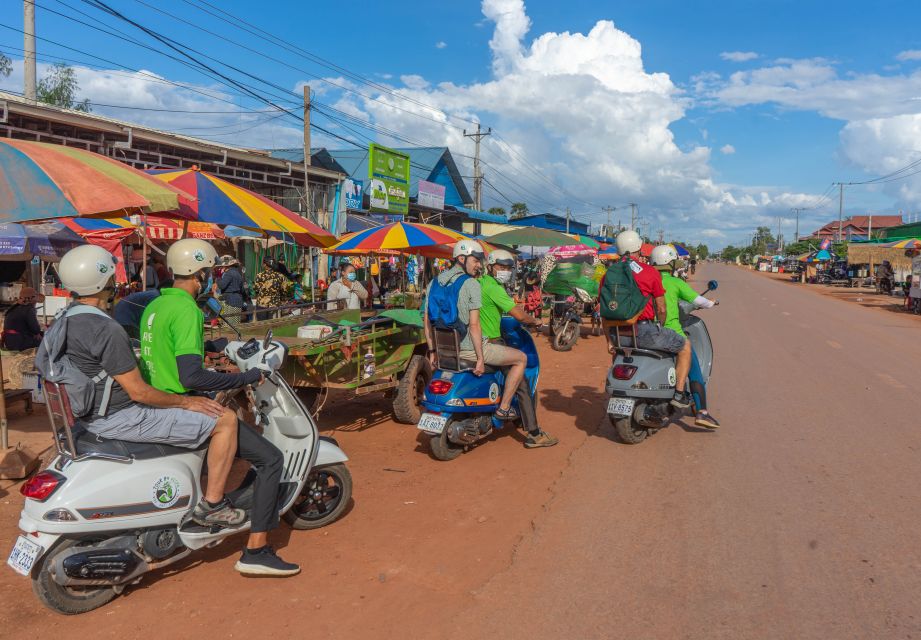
(46, 240)
(681, 251)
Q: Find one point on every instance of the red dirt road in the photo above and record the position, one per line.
(798, 519)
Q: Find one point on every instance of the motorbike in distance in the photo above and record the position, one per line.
(641, 382)
(459, 406)
(106, 512)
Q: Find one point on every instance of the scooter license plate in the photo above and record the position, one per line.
(432, 423)
(23, 556)
(621, 406)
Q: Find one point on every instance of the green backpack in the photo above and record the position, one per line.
(620, 298)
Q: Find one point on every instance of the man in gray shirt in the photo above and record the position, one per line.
(468, 257)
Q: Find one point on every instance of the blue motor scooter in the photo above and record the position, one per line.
(459, 405)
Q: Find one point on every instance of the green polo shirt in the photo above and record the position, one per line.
(496, 302)
(172, 325)
(676, 289)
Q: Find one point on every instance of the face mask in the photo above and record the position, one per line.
(351, 276)
(504, 277)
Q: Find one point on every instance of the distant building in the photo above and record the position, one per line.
(551, 221)
(857, 227)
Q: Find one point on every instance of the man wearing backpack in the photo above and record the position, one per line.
(632, 290)
(90, 354)
(453, 301)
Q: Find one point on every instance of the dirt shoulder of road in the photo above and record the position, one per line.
(420, 538)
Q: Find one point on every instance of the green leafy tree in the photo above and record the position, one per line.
(702, 251)
(59, 87)
(6, 66)
(497, 211)
(731, 252)
(519, 210)
(799, 248)
(761, 240)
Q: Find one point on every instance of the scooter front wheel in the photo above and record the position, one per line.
(324, 498)
(67, 600)
(628, 430)
(566, 337)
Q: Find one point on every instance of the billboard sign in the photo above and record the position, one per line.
(388, 171)
(351, 191)
(431, 195)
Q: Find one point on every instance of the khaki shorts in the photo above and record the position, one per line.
(496, 355)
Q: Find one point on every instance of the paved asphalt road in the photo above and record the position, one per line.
(798, 519)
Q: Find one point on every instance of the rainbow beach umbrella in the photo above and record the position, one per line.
(158, 228)
(908, 243)
(398, 236)
(41, 181)
(222, 202)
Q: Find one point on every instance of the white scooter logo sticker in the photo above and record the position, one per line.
(672, 377)
(165, 492)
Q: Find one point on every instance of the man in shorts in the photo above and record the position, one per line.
(136, 411)
(650, 330)
(172, 359)
(495, 302)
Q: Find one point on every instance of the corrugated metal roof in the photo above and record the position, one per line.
(483, 216)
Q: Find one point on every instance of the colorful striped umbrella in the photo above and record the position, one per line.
(908, 243)
(158, 228)
(587, 241)
(681, 251)
(399, 235)
(47, 240)
(221, 202)
(609, 254)
(41, 181)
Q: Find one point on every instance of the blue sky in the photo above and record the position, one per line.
(644, 110)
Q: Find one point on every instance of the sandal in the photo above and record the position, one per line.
(506, 415)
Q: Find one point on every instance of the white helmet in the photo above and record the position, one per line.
(189, 256)
(501, 256)
(468, 248)
(628, 241)
(663, 255)
(87, 269)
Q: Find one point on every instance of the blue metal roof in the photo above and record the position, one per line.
(551, 221)
(482, 215)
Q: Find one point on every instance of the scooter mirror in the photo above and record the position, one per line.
(712, 285)
(268, 340)
(213, 305)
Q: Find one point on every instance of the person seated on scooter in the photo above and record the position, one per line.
(650, 332)
(136, 411)
(665, 259)
(500, 267)
(172, 359)
(464, 304)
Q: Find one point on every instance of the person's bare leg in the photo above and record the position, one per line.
(513, 378)
(257, 540)
(221, 452)
(683, 366)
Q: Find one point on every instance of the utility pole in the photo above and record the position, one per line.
(796, 210)
(28, 30)
(568, 214)
(779, 237)
(609, 211)
(633, 216)
(661, 233)
(307, 202)
(840, 208)
(477, 174)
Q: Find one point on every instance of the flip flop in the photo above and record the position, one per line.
(506, 415)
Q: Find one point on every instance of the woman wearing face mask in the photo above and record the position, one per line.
(346, 288)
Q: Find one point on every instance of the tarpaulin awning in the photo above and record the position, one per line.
(40, 181)
(157, 228)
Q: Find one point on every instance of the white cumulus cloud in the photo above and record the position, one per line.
(441, 44)
(727, 149)
(910, 54)
(739, 56)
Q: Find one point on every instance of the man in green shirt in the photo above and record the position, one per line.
(172, 359)
(496, 302)
(664, 258)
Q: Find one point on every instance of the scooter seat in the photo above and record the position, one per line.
(86, 442)
(471, 364)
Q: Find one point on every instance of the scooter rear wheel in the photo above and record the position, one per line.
(566, 337)
(628, 430)
(442, 448)
(67, 600)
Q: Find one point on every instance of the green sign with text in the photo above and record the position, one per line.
(388, 172)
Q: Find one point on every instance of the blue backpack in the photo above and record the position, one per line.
(442, 305)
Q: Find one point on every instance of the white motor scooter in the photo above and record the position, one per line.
(105, 512)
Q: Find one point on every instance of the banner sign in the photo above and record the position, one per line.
(826, 244)
(387, 218)
(431, 195)
(351, 192)
(388, 171)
